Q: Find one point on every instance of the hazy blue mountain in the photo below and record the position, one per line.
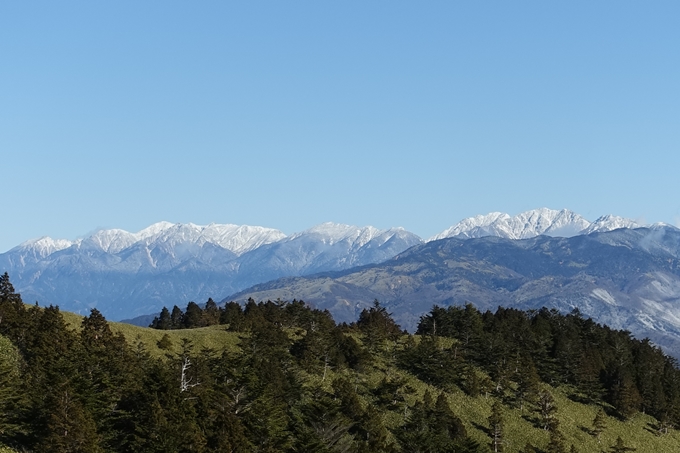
(128, 274)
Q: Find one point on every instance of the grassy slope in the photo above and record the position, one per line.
(575, 418)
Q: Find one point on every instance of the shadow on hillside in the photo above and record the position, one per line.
(482, 428)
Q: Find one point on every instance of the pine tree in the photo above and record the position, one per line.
(162, 321)
(472, 384)
(496, 423)
(211, 314)
(176, 317)
(599, 424)
(547, 410)
(232, 315)
(377, 326)
(12, 402)
(446, 421)
(165, 342)
(620, 447)
(193, 316)
(556, 443)
(527, 384)
(70, 428)
(625, 396)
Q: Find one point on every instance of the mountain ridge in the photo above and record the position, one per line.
(126, 274)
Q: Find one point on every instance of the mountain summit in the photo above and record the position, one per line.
(543, 221)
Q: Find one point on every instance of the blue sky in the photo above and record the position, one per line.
(289, 114)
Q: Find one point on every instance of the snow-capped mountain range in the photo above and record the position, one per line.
(125, 274)
(529, 224)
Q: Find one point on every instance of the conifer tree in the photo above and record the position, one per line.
(162, 321)
(232, 314)
(527, 384)
(496, 423)
(599, 424)
(620, 447)
(165, 342)
(556, 442)
(70, 428)
(12, 402)
(193, 316)
(547, 410)
(471, 382)
(377, 326)
(625, 396)
(211, 313)
(176, 317)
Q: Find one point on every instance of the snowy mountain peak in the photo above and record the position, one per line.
(111, 241)
(332, 233)
(235, 238)
(153, 230)
(610, 222)
(543, 221)
(43, 246)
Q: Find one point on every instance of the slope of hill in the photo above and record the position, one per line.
(360, 385)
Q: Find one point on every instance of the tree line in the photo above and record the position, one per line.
(299, 382)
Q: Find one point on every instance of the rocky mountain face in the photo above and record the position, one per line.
(626, 278)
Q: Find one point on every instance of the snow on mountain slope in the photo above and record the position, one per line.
(42, 247)
(326, 247)
(543, 221)
(610, 223)
(124, 274)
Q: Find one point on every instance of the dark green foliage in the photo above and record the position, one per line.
(556, 443)
(547, 411)
(434, 428)
(193, 316)
(431, 362)
(496, 424)
(211, 313)
(232, 315)
(519, 349)
(377, 327)
(599, 424)
(176, 317)
(162, 321)
(87, 390)
(165, 342)
(620, 447)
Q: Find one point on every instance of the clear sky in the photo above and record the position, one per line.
(288, 114)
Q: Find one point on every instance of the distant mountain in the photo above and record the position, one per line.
(533, 223)
(127, 274)
(626, 278)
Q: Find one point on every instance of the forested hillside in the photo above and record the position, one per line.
(286, 378)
